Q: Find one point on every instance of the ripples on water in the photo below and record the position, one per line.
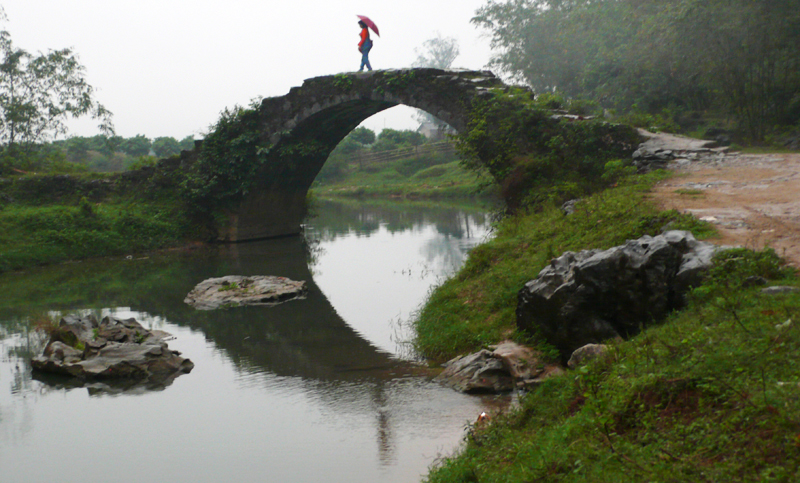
(322, 389)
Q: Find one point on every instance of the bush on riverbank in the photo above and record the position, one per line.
(709, 395)
(538, 157)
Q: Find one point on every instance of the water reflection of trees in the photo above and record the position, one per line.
(305, 340)
(366, 217)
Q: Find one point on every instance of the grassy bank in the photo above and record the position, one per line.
(476, 307)
(712, 394)
(406, 178)
(51, 219)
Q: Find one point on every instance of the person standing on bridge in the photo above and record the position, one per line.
(364, 46)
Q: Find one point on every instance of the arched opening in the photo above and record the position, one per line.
(397, 143)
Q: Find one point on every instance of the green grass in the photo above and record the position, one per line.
(404, 179)
(477, 306)
(712, 394)
(36, 235)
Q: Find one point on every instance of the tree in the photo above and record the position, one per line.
(138, 145)
(390, 139)
(362, 135)
(187, 143)
(39, 92)
(166, 146)
(437, 52)
(738, 55)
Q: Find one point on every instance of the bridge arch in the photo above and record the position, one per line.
(304, 126)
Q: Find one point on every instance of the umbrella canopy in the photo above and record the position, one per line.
(369, 23)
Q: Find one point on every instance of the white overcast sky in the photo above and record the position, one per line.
(168, 67)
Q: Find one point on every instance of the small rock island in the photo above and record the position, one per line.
(236, 290)
(111, 349)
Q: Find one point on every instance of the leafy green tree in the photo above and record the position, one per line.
(187, 143)
(393, 139)
(655, 55)
(166, 146)
(77, 149)
(138, 145)
(362, 135)
(38, 93)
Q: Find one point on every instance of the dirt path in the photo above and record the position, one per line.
(753, 200)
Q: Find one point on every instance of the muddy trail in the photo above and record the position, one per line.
(752, 199)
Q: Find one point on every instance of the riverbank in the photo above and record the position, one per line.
(709, 395)
(408, 179)
(47, 219)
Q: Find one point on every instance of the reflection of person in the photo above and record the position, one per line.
(364, 46)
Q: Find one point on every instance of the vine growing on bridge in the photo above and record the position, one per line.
(229, 158)
(536, 156)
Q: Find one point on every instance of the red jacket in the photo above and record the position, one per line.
(364, 37)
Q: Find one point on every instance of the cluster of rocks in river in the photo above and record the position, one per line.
(582, 299)
(111, 349)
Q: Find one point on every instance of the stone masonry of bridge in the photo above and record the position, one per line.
(304, 126)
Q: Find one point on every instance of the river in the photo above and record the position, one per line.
(321, 389)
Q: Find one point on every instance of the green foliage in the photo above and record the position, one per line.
(230, 155)
(710, 395)
(229, 286)
(476, 307)
(138, 145)
(399, 81)
(362, 135)
(535, 158)
(38, 93)
(35, 235)
(391, 139)
(343, 81)
(166, 146)
(683, 55)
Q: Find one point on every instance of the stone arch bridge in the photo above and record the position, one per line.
(304, 126)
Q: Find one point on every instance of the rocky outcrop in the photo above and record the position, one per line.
(112, 349)
(506, 367)
(594, 295)
(236, 290)
(661, 149)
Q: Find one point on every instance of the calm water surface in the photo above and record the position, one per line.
(321, 389)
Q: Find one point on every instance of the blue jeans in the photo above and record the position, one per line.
(365, 55)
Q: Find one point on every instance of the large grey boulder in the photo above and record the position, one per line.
(594, 295)
(236, 290)
(112, 349)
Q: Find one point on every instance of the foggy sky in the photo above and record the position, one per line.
(168, 67)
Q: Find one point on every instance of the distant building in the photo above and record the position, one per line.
(434, 131)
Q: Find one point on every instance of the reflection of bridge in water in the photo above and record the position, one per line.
(304, 343)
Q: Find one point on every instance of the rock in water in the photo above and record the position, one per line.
(114, 348)
(235, 290)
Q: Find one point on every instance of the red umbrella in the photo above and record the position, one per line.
(370, 24)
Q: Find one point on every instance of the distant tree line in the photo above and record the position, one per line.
(740, 58)
(362, 141)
